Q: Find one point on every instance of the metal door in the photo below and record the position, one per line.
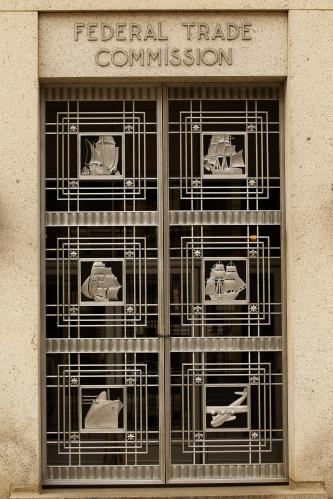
(162, 302)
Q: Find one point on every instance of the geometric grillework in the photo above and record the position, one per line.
(155, 231)
(103, 410)
(76, 130)
(127, 260)
(202, 303)
(221, 150)
(99, 155)
(230, 411)
(79, 386)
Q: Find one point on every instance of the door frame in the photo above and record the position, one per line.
(162, 107)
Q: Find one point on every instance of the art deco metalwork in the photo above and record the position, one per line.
(163, 302)
(107, 288)
(222, 158)
(224, 284)
(222, 414)
(101, 285)
(101, 155)
(103, 413)
(104, 157)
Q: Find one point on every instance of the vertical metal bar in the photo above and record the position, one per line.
(282, 127)
(166, 287)
(162, 266)
(42, 374)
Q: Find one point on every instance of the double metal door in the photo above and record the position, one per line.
(163, 297)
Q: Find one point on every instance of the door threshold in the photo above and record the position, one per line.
(299, 491)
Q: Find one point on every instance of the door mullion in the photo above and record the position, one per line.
(161, 290)
(166, 286)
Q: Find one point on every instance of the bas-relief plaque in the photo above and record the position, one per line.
(102, 157)
(132, 44)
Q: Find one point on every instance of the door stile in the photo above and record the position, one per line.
(161, 284)
(42, 373)
(166, 286)
(284, 272)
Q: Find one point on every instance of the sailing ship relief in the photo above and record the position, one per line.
(222, 159)
(224, 283)
(101, 286)
(102, 158)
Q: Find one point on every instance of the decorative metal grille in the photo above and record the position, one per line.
(124, 431)
(228, 409)
(224, 152)
(164, 350)
(100, 155)
(198, 252)
(128, 254)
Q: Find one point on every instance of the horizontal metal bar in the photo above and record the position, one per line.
(225, 218)
(106, 92)
(217, 472)
(257, 344)
(101, 92)
(180, 473)
(224, 92)
(95, 345)
(100, 218)
(100, 474)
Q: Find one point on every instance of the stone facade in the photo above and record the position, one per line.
(293, 45)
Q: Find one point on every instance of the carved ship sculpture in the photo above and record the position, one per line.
(222, 158)
(103, 413)
(102, 284)
(104, 157)
(224, 283)
(221, 413)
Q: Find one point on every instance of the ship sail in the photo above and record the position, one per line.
(210, 287)
(94, 155)
(221, 149)
(222, 158)
(224, 284)
(231, 271)
(212, 149)
(239, 283)
(237, 160)
(104, 156)
(229, 285)
(108, 152)
(229, 150)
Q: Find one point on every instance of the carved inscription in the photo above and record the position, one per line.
(218, 52)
